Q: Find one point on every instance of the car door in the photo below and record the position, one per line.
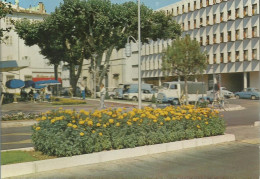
(248, 93)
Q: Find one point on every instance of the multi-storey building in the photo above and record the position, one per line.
(14, 49)
(227, 30)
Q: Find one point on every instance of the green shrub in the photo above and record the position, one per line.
(66, 132)
(153, 99)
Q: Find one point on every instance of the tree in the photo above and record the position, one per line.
(184, 58)
(4, 10)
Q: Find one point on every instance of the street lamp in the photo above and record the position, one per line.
(129, 52)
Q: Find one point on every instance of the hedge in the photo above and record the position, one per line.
(66, 132)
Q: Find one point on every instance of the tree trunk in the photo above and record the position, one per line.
(106, 64)
(56, 78)
(186, 90)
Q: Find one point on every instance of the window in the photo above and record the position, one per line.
(201, 22)
(208, 59)
(200, 3)
(195, 25)
(207, 2)
(182, 8)
(237, 34)
(9, 77)
(245, 10)
(177, 10)
(221, 57)
(214, 1)
(229, 35)
(214, 38)
(245, 33)
(207, 20)
(8, 21)
(229, 56)
(214, 18)
(172, 10)
(221, 16)
(9, 41)
(182, 26)
(207, 40)
(201, 41)
(188, 7)
(222, 37)
(245, 54)
(229, 14)
(215, 58)
(195, 5)
(188, 25)
(237, 56)
(27, 77)
(254, 9)
(237, 13)
(254, 31)
(254, 52)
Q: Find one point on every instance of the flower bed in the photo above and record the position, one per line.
(67, 133)
(20, 116)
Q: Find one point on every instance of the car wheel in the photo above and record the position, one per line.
(237, 96)
(134, 98)
(253, 97)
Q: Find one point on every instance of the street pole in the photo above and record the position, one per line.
(139, 57)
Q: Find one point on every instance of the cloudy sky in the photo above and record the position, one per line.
(51, 4)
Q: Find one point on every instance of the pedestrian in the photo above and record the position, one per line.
(216, 91)
(82, 89)
(102, 96)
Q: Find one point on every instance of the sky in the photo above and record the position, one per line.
(51, 4)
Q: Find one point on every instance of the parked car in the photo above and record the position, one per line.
(224, 92)
(146, 96)
(65, 91)
(248, 93)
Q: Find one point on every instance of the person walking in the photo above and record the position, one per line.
(82, 89)
(102, 96)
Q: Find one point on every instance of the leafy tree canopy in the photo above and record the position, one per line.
(5, 9)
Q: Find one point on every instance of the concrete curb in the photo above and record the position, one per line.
(19, 149)
(105, 156)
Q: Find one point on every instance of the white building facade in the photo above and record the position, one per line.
(14, 48)
(227, 30)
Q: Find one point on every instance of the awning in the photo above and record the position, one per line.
(13, 65)
(45, 79)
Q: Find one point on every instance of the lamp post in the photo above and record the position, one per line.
(128, 54)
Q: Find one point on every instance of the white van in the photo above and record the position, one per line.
(172, 92)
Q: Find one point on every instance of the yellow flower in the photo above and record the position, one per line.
(90, 123)
(104, 125)
(100, 133)
(38, 128)
(53, 120)
(75, 126)
(81, 134)
(60, 108)
(111, 121)
(69, 125)
(117, 124)
(161, 123)
(129, 123)
(86, 113)
(206, 122)
(81, 122)
(167, 119)
(187, 116)
(44, 118)
(73, 121)
(114, 115)
(98, 124)
(154, 120)
(173, 118)
(198, 126)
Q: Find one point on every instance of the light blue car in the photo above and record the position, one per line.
(248, 93)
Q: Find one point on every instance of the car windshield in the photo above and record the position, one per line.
(165, 85)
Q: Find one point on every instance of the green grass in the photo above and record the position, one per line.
(11, 157)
